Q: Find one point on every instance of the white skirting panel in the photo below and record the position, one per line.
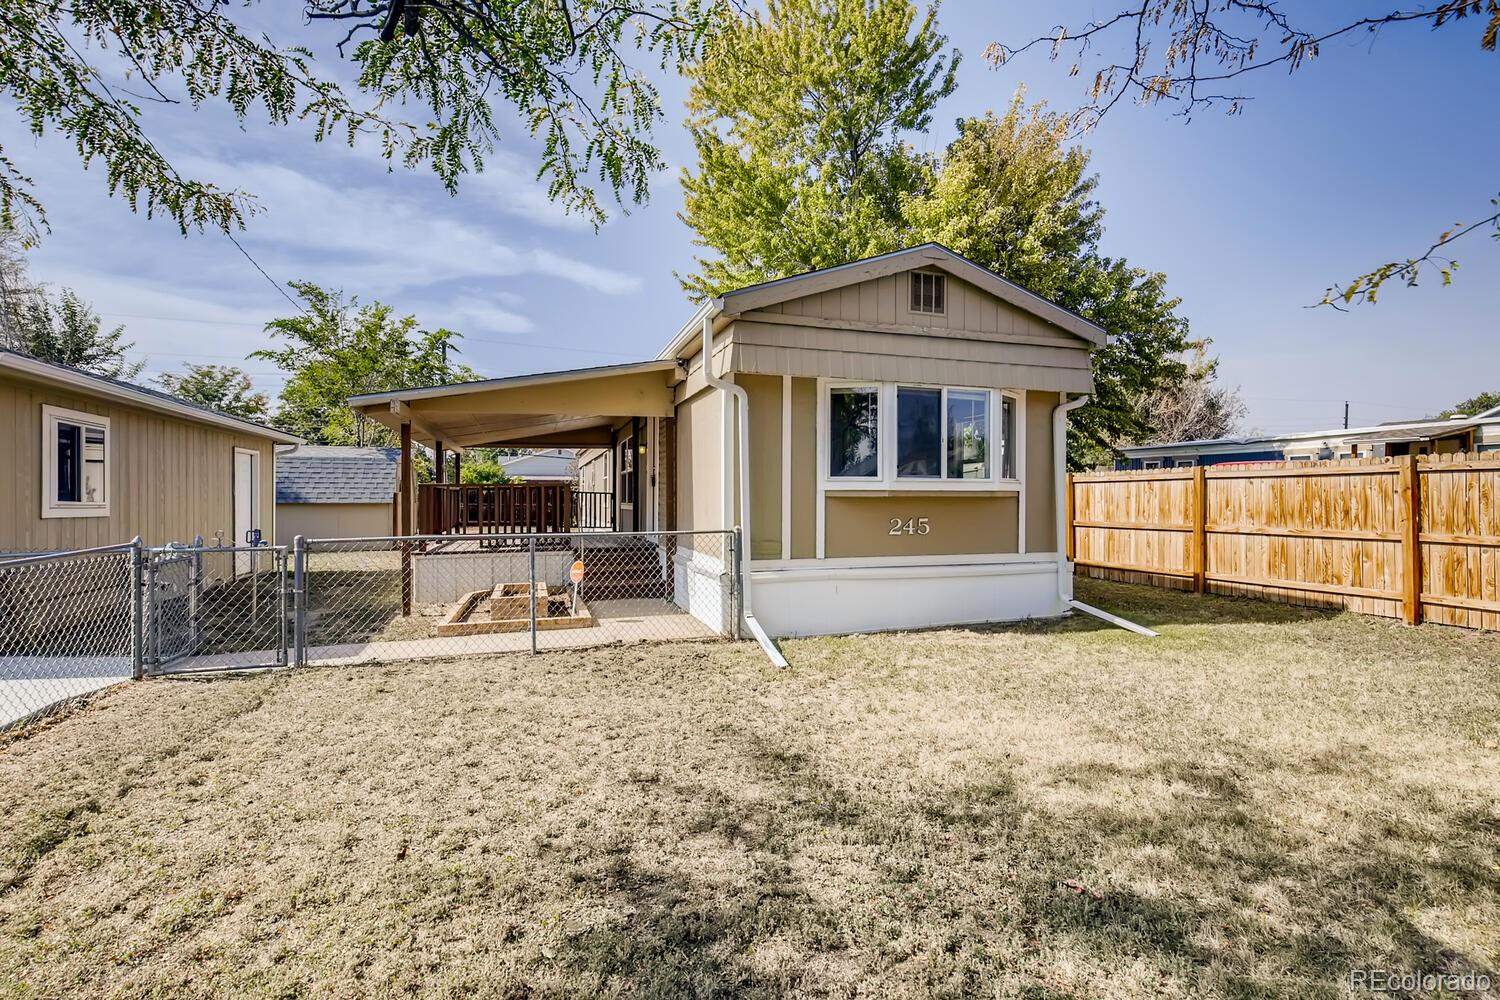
(701, 587)
(830, 600)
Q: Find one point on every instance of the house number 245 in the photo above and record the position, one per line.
(909, 526)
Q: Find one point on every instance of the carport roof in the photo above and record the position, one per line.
(572, 408)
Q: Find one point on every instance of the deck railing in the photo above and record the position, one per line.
(494, 508)
(593, 510)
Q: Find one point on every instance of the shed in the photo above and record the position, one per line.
(334, 491)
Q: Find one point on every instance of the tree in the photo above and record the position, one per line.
(1014, 197)
(86, 69)
(337, 349)
(798, 116)
(487, 470)
(225, 388)
(1195, 408)
(1193, 54)
(67, 330)
(1473, 406)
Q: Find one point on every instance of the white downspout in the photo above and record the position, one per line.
(1065, 568)
(737, 392)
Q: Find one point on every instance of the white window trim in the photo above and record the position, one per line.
(51, 506)
(885, 441)
(1186, 463)
(1150, 463)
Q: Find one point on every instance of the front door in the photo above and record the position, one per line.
(625, 482)
(246, 504)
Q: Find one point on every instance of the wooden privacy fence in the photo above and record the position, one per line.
(1412, 538)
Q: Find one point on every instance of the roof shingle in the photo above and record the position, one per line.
(336, 474)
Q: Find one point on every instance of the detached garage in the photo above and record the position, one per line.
(329, 491)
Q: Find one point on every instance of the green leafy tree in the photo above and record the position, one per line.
(798, 116)
(67, 330)
(225, 388)
(487, 471)
(462, 66)
(1474, 405)
(337, 349)
(1015, 197)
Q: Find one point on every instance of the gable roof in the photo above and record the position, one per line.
(336, 474)
(138, 395)
(924, 255)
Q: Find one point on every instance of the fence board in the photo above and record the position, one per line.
(1382, 536)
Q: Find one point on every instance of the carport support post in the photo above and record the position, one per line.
(137, 611)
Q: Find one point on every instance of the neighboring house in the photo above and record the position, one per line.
(93, 461)
(328, 491)
(551, 465)
(1479, 432)
(899, 414)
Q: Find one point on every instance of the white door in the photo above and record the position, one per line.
(246, 504)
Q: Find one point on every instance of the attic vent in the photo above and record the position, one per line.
(928, 292)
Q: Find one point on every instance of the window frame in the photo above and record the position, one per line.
(886, 432)
(52, 417)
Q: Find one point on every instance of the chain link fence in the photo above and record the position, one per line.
(366, 599)
(70, 625)
(75, 622)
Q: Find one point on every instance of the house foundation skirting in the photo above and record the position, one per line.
(830, 600)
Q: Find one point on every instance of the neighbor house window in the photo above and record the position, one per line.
(75, 463)
(854, 432)
(936, 434)
(927, 292)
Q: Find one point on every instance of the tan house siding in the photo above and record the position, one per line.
(804, 468)
(765, 464)
(887, 300)
(700, 448)
(169, 478)
(957, 525)
(332, 520)
(1041, 521)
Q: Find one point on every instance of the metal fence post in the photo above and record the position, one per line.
(278, 560)
(137, 611)
(532, 548)
(735, 583)
(299, 601)
(195, 598)
(150, 624)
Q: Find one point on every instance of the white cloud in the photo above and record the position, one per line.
(377, 240)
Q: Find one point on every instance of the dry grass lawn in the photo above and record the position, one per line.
(1251, 805)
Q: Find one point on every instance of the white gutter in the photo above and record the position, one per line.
(1060, 505)
(738, 393)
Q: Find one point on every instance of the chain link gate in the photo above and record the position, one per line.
(217, 608)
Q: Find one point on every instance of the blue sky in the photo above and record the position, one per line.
(1366, 153)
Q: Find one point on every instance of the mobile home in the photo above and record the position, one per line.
(886, 436)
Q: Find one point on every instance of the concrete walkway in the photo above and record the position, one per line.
(29, 684)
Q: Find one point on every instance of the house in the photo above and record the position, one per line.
(328, 491)
(550, 465)
(94, 461)
(887, 436)
(1480, 432)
